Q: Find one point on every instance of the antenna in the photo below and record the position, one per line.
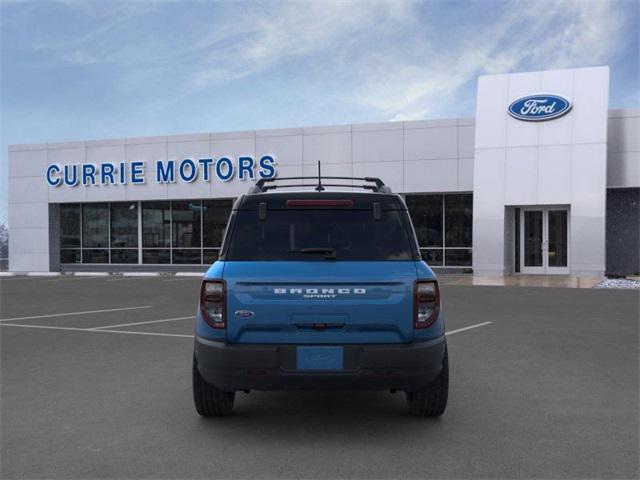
(319, 188)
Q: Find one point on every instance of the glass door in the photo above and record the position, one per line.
(544, 240)
(557, 240)
(532, 241)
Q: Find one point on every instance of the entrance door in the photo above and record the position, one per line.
(544, 240)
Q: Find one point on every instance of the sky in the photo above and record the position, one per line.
(74, 70)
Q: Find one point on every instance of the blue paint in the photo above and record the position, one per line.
(51, 180)
(106, 173)
(206, 168)
(246, 167)
(137, 172)
(188, 170)
(536, 108)
(71, 175)
(384, 314)
(320, 358)
(224, 164)
(267, 167)
(165, 171)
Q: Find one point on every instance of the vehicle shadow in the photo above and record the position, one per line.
(292, 416)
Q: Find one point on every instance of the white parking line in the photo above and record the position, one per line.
(142, 323)
(70, 278)
(75, 329)
(68, 314)
(464, 329)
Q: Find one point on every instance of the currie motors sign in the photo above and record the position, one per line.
(137, 172)
(536, 108)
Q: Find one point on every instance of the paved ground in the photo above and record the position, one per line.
(549, 389)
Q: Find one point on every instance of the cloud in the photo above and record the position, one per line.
(535, 37)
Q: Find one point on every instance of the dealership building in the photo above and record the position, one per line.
(544, 180)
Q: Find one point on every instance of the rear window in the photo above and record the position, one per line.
(305, 234)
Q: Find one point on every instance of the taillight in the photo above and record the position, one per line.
(426, 303)
(212, 303)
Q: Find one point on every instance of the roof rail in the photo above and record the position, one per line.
(377, 184)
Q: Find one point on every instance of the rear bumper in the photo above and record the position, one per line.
(409, 367)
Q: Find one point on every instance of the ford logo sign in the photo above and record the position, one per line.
(536, 108)
(244, 313)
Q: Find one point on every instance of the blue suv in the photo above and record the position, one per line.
(320, 289)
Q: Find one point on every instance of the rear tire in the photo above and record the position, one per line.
(432, 401)
(210, 401)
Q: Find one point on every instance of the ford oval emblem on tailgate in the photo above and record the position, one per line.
(244, 313)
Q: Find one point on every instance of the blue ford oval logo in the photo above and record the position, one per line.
(535, 108)
(244, 313)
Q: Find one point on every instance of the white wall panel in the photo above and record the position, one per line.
(521, 176)
(29, 240)
(327, 147)
(28, 190)
(465, 174)
(431, 176)
(29, 262)
(28, 215)
(377, 146)
(554, 175)
(68, 156)
(491, 122)
(624, 134)
(623, 169)
(431, 143)
(286, 149)
(591, 104)
(28, 163)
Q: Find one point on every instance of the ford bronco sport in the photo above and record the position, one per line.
(320, 290)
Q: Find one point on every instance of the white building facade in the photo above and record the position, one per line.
(544, 180)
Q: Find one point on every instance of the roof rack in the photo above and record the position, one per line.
(372, 183)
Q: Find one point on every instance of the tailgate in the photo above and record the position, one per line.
(319, 302)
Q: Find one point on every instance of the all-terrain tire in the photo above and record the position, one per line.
(210, 401)
(432, 402)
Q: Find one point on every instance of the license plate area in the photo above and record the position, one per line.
(319, 358)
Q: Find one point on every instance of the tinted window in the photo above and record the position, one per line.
(215, 214)
(426, 214)
(124, 225)
(352, 234)
(95, 226)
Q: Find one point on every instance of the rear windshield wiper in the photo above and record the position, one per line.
(329, 253)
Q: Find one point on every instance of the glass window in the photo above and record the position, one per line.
(124, 225)
(186, 224)
(69, 226)
(457, 257)
(156, 224)
(426, 215)
(186, 255)
(156, 255)
(95, 225)
(95, 255)
(309, 234)
(70, 256)
(128, 255)
(433, 256)
(458, 220)
(210, 255)
(215, 214)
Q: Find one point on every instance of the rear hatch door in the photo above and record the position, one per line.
(322, 302)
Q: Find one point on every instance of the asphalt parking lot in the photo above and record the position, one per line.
(96, 384)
